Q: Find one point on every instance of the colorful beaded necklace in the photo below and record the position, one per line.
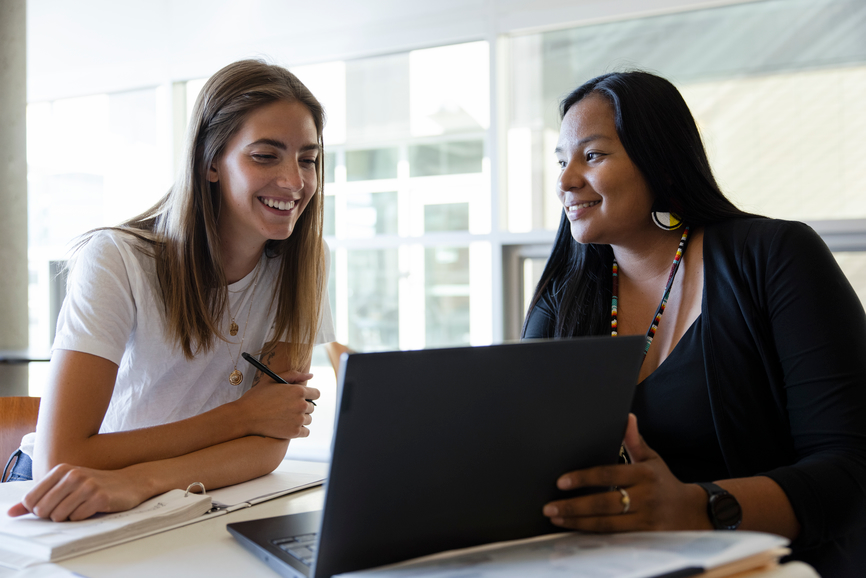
(661, 309)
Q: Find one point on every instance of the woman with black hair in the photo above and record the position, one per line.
(752, 392)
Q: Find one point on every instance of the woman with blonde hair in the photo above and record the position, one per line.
(148, 391)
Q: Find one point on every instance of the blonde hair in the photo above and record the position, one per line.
(182, 226)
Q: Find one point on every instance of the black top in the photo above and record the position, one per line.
(673, 413)
(783, 337)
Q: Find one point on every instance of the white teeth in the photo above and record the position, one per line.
(582, 205)
(281, 205)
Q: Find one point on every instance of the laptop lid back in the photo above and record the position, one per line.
(449, 448)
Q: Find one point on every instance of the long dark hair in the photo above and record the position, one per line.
(661, 138)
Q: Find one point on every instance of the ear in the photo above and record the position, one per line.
(213, 174)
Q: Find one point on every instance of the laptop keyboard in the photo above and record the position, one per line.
(302, 547)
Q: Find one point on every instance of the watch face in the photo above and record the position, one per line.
(726, 511)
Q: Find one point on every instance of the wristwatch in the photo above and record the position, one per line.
(722, 508)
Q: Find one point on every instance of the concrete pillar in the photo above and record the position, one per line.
(13, 192)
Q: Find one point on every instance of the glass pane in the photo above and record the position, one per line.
(368, 165)
(328, 226)
(85, 158)
(332, 287)
(450, 89)
(446, 273)
(854, 266)
(757, 76)
(370, 214)
(373, 301)
(446, 217)
(330, 161)
(327, 81)
(448, 158)
(379, 106)
(532, 269)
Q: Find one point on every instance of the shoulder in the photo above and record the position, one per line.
(111, 254)
(108, 242)
(760, 237)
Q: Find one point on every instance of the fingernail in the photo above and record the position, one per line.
(550, 510)
(564, 483)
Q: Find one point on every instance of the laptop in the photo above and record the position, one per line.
(449, 448)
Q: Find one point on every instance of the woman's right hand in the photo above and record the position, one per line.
(76, 493)
(279, 410)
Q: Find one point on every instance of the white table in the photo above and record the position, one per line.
(207, 549)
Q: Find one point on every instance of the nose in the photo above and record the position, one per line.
(570, 179)
(290, 176)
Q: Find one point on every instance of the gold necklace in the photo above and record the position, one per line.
(236, 377)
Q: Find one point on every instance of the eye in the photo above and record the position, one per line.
(263, 157)
(311, 162)
(593, 155)
(561, 164)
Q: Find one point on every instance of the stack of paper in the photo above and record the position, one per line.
(628, 555)
(29, 535)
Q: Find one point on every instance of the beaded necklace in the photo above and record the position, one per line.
(661, 309)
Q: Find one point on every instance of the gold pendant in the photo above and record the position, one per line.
(233, 329)
(236, 377)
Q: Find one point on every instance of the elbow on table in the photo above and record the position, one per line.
(273, 453)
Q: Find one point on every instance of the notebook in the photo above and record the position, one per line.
(449, 448)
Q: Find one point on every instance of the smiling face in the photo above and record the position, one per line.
(605, 196)
(266, 175)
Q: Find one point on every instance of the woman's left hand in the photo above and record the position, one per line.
(654, 498)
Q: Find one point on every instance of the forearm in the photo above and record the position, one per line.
(217, 466)
(765, 505)
(76, 493)
(117, 450)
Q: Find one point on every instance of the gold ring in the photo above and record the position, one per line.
(625, 500)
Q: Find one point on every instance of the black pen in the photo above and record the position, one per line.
(261, 367)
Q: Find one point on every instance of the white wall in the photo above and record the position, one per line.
(94, 46)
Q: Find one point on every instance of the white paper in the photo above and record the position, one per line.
(28, 537)
(41, 571)
(264, 488)
(627, 555)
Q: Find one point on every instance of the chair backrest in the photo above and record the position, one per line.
(17, 418)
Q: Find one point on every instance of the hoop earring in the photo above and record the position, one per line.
(666, 221)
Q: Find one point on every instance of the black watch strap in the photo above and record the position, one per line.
(723, 509)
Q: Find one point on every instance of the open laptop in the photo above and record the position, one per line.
(449, 448)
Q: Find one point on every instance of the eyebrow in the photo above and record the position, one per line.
(584, 140)
(282, 146)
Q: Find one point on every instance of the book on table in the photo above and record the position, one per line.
(28, 540)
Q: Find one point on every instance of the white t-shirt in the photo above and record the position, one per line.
(113, 309)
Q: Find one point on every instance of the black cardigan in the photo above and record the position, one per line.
(784, 341)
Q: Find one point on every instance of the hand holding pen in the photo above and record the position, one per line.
(264, 369)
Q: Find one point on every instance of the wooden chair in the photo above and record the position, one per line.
(334, 350)
(17, 417)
